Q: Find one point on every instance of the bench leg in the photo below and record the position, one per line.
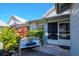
(19, 52)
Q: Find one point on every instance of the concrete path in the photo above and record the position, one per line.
(53, 49)
(46, 50)
(31, 52)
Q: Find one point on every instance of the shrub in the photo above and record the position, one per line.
(9, 38)
(37, 33)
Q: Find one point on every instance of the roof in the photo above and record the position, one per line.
(59, 15)
(2, 23)
(17, 20)
(53, 17)
(50, 12)
(22, 20)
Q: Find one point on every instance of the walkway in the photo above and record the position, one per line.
(31, 52)
(46, 50)
(54, 50)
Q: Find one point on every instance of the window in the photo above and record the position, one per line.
(59, 30)
(64, 30)
(52, 30)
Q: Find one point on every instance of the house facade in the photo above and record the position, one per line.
(57, 27)
(68, 26)
(74, 23)
(61, 27)
(74, 26)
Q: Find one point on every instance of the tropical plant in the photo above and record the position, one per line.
(40, 35)
(32, 33)
(9, 38)
(37, 33)
(22, 31)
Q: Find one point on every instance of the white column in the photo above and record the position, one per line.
(58, 30)
(46, 31)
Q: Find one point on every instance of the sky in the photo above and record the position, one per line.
(29, 11)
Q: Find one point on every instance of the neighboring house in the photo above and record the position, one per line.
(15, 20)
(19, 24)
(3, 24)
(36, 24)
(33, 25)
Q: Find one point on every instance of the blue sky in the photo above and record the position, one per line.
(28, 11)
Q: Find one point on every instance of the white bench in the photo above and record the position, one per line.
(24, 41)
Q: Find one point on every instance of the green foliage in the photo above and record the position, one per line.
(9, 38)
(43, 21)
(32, 33)
(37, 33)
(40, 34)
